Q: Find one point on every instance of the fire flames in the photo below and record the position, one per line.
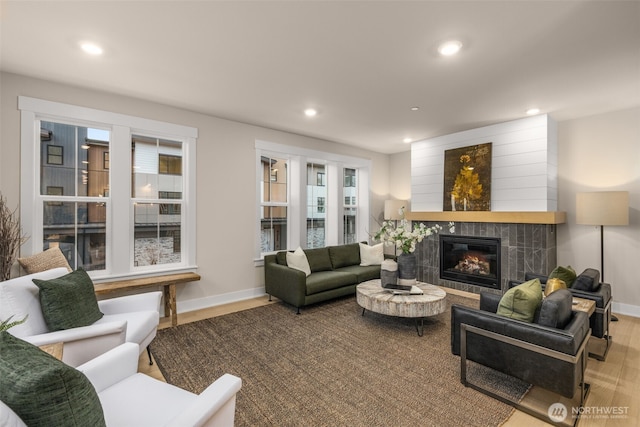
(474, 264)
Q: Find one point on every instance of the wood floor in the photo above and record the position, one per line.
(615, 383)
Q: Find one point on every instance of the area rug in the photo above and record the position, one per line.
(332, 366)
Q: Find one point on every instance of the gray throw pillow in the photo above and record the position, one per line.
(68, 301)
(42, 390)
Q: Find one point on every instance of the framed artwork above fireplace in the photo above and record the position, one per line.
(467, 178)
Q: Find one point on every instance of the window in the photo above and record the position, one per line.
(138, 219)
(157, 222)
(350, 214)
(273, 204)
(54, 154)
(316, 196)
(316, 214)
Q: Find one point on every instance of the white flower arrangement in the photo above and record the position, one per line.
(403, 237)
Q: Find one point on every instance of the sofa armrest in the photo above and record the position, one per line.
(147, 301)
(112, 367)
(286, 283)
(84, 343)
(215, 406)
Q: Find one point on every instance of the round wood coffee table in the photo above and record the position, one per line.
(373, 297)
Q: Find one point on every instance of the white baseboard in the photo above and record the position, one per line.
(626, 309)
(212, 301)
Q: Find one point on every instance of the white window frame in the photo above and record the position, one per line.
(334, 180)
(120, 262)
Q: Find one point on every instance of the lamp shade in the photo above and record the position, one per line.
(392, 209)
(602, 208)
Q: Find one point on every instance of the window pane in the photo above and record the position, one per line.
(349, 220)
(316, 205)
(273, 180)
(157, 235)
(350, 190)
(157, 167)
(79, 230)
(273, 229)
(72, 160)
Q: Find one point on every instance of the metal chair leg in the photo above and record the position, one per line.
(149, 354)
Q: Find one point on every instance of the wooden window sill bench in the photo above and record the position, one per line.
(167, 281)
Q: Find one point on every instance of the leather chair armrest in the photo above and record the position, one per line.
(530, 276)
(489, 302)
(566, 340)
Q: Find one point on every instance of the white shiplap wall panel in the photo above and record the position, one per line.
(524, 171)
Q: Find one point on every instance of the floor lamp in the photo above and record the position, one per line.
(603, 208)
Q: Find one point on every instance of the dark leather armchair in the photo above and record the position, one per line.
(591, 289)
(548, 353)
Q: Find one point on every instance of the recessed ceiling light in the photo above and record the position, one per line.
(450, 48)
(310, 112)
(91, 48)
(415, 108)
(406, 140)
(533, 111)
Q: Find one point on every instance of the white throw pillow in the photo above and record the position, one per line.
(371, 255)
(298, 260)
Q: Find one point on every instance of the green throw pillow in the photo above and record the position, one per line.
(522, 301)
(566, 274)
(42, 390)
(68, 301)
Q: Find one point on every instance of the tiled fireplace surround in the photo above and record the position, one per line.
(524, 247)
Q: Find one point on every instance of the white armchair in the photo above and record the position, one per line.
(132, 399)
(132, 318)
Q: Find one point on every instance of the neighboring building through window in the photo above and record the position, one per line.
(316, 196)
(321, 209)
(273, 204)
(350, 215)
(113, 201)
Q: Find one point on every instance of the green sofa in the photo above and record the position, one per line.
(335, 272)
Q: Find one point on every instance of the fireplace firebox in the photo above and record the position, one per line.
(468, 259)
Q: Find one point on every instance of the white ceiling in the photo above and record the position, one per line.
(362, 64)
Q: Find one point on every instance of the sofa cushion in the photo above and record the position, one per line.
(68, 301)
(566, 274)
(44, 391)
(318, 259)
(298, 260)
(344, 255)
(371, 255)
(51, 258)
(327, 280)
(363, 273)
(522, 301)
(588, 280)
(555, 310)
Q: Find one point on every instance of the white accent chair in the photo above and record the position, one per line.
(129, 398)
(131, 318)
(132, 399)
